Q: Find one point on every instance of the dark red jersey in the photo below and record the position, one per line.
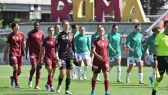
(49, 45)
(16, 42)
(35, 40)
(101, 46)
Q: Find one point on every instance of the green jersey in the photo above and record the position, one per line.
(114, 44)
(134, 40)
(76, 34)
(150, 42)
(82, 43)
(56, 34)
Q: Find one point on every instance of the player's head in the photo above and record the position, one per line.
(65, 25)
(57, 28)
(166, 25)
(138, 27)
(82, 30)
(15, 26)
(115, 28)
(156, 29)
(50, 31)
(74, 27)
(36, 25)
(101, 31)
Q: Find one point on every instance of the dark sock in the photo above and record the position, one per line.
(68, 81)
(107, 85)
(15, 77)
(37, 77)
(31, 74)
(60, 79)
(93, 84)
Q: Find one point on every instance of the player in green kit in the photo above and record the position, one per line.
(115, 50)
(83, 47)
(149, 43)
(57, 30)
(134, 44)
(76, 68)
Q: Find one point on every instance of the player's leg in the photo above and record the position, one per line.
(49, 80)
(118, 61)
(96, 70)
(61, 76)
(68, 76)
(106, 78)
(32, 70)
(140, 68)
(151, 62)
(38, 73)
(131, 61)
(161, 68)
(111, 62)
(93, 82)
(14, 64)
(86, 62)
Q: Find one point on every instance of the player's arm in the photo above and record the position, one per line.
(7, 46)
(95, 53)
(89, 44)
(128, 43)
(27, 45)
(145, 47)
(110, 46)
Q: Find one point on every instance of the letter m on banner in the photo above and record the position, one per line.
(103, 7)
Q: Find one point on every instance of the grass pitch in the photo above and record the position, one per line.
(81, 87)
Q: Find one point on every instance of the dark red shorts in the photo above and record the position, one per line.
(34, 59)
(97, 67)
(16, 60)
(51, 62)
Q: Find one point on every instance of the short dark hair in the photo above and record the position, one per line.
(73, 26)
(165, 22)
(64, 21)
(155, 28)
(49, 28)
(114, 25)
(13, 24)
(136, 25)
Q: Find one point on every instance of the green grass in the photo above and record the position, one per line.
(81, 87)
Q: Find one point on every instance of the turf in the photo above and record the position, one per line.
(81, 87)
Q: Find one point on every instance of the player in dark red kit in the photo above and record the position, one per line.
(34, 44)
(100, 61)
(50, 57)
(66, 55)
(15, 44)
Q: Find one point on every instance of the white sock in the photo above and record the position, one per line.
(127, 77)
(140, 77)
(153, 74)
(119, 72)
(79, 71)
(84, 70)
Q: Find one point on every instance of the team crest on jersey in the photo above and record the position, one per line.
(51, 42)
(17, 37)
(37, 35)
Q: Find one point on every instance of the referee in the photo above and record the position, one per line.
(161, 55)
